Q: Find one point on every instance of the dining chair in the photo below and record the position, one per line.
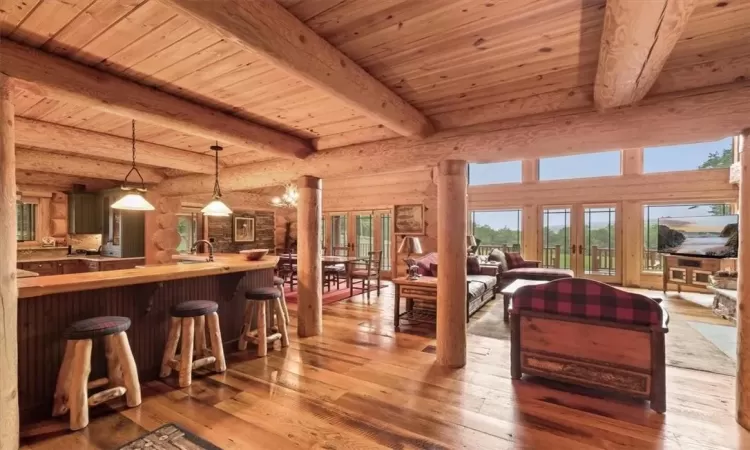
(363, 272)
(287, 268)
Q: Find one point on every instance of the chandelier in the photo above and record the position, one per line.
(288, 199)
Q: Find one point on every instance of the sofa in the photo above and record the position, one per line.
(511, 266)
(589, 333)
(481, 279)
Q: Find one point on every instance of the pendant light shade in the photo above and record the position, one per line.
(216, 207)
(134, 200)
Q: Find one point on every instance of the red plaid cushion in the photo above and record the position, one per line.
(588, 299)
(515, 260)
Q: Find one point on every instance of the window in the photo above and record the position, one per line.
(497, 229)
(187, 226)
(25, 222)
(385, 223)
(651, 216)
(672, 158)
(587, 165)
(494, 173)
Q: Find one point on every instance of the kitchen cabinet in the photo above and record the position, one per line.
(73, 266)
(84, 213)
(41, 267)
(63, 267)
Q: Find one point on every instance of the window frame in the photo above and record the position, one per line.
(518, 246)
(618, 173)
(31, 230)
(520, 173)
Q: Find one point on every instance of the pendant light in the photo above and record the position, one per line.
(133, 201)
(216, 207)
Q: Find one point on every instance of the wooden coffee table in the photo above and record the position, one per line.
(511, 289)
(423, 289)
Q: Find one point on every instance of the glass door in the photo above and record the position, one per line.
(599, 244)
(557, 238)
(357, 233)
(338, 234)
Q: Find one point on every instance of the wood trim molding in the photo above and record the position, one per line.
(264, 27)
(51, 76)
(637, 39)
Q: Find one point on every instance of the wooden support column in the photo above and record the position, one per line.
(743, 289)
(309, 254)
(9, 424)
(451, 301)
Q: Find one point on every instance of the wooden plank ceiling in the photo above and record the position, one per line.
(459, 62)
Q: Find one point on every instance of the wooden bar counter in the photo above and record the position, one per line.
(47, 305)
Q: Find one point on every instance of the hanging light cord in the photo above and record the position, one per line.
(217, 188)
(133, 168)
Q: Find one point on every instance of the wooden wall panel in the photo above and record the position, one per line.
(42, 320)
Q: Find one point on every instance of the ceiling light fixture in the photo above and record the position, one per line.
(216, 207)
(134, 200)
(289, 199)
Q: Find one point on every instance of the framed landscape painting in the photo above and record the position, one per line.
(243, 229)
(409, 220)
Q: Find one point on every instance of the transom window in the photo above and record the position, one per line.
(494, 173)
(587, 165)
(497, 229)
(704, 155)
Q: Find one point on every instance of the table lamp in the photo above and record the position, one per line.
(470, 243)
(410, 245)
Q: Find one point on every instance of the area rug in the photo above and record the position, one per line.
(724, 337)
(686, 347)
(332, 296)
(170, 437)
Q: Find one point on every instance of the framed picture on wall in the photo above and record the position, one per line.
(409, 220)
(243, 229)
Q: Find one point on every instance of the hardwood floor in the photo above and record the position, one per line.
(362, 386)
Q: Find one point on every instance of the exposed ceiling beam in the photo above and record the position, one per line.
(235, 200)
(266, 28)
(637, 39)
(35, 160)
(51, 76)
(60, 182)
(679, 118)
(59, 138)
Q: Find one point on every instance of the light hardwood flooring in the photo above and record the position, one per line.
(361, 386)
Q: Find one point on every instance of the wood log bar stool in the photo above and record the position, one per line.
(188, 320)
(71, 393)
(278, 282)
(258, 298)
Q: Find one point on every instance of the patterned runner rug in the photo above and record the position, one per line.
(169, 437)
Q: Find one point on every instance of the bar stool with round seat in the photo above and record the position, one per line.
(188, 320)
(71, 392)
(278, 282)
(257, 300)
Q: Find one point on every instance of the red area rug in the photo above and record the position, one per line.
(332, 296)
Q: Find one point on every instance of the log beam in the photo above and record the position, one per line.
(59, 182)
(743, 290)
(75, 141)
(267, 29)
(309, 253)
(51, 76)
(34, 160)
(235, 200)
(637, 39)
(451, 237)
(9, 421)
(680, 118)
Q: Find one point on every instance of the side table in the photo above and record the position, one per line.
(423, 289)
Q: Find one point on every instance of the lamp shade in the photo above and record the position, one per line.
(470, 241)
(216, 208)
(133, 201)
(410, 245)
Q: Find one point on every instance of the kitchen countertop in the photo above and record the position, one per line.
(20, 273)
(224, 263)
(94, 258)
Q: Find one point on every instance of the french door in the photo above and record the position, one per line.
(356, 233)
(583, 238)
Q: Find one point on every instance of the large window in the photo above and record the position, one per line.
(651, 216)
(497, 229)
(495, 173)
(25, 222)
(587, 165)
(187, 226)
(705, 155)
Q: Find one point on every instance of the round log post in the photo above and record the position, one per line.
(451, 298)
(9, 424)
(743, 289)
(309, 254)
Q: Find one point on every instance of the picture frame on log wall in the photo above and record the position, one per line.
(243, 229)
(409, 220)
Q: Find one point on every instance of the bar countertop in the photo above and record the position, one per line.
(56, 284)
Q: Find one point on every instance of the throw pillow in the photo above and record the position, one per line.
(433, 269)
(515, 260)
(503, 261)
(495, 255)
(472, 266)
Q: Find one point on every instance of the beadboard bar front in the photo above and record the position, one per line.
(42, 320)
